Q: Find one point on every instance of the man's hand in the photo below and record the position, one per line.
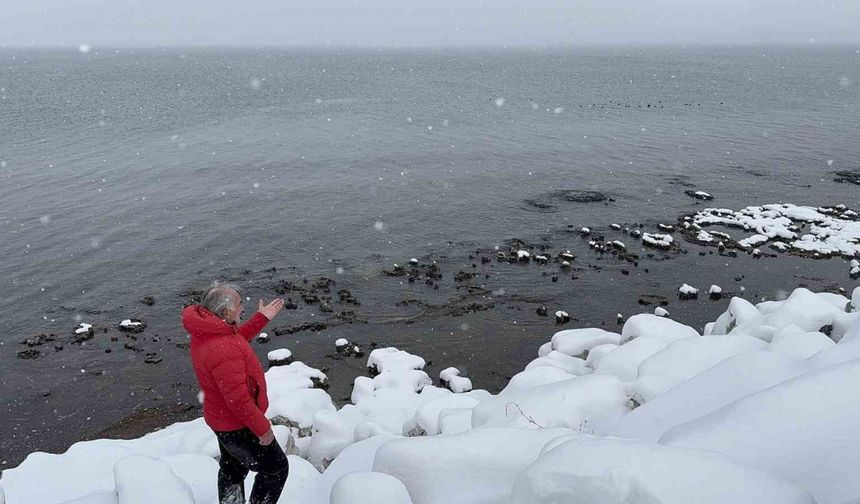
(267, 438)
(271, 309)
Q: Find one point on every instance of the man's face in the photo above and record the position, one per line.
(232, 315)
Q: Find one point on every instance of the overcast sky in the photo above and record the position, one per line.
(405, 23)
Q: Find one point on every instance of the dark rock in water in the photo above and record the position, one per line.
(306, 326)
(289, 304)
(148, 300)
(29, 353)
(847, 177)
(397, 271)
(715, 295)
(828, 329)
(152, 358)
(309, 298)
(58, 347)
(700, 195)
(83, 336)
(542, 311)
(653, 299)
(548, 202)
(554, 278)
(38, 340)
(134, 326)
(325, 307)
(324, 283)
(578, 196)
(346, 296)
(132, 346)
(463, 276)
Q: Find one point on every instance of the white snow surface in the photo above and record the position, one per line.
(577, 342)
(757, 410)
(369, 488)
(612, 471)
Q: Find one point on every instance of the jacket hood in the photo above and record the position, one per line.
(200, 322)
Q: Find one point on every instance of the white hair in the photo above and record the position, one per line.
(218, 298)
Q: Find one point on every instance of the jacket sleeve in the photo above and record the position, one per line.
(253, 326)
(228, 371)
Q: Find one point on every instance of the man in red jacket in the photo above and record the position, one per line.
(234, 394)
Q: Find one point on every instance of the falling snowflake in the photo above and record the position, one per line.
(379, 226)
(558, 110)
(256, 84)
(45, 219)
(85, 48)
(339, 270)
(500, 101)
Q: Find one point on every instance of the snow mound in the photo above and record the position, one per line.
(800, 430)
(612, 471)
(450, 377)
(646, 324)
(136, 478)
(589, 403)
(578, 342)
(571, 365)
(477, 467)
(369, 488)
(392, 359)
(726, 382)
(686, 358)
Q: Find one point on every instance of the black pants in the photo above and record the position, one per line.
(241, 452)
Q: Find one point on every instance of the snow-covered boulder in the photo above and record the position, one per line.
(589, 403)
(794, 342)
(282, 380)
(450, 378)
(612, 471)
(476, 467)
(199, 471)
(144, 480)
(801, 430)
(646, 324)
(427, 415)
(571, 365)
(578, 342)
(624, 361)
(297, 408)
(369, 488)
(684, 359)
(355, 458)
(540, 375)
(722, 384)
(596, 354)
(280, 357)
(392, 359)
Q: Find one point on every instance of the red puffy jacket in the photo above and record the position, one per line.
(230, 376)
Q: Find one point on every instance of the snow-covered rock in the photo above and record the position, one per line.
(722, 384)
(477, 467)
(612, 471)
(578, 342)
(661, 328)
(392, 359)
(450, 377)
(280, 357)
(588, 403)
(571, 365)
(144, 480)
(686, 358)
(539, 375)
(800, 430)
(624, 361)
(369, 488)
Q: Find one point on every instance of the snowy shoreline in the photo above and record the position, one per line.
(751, 410)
